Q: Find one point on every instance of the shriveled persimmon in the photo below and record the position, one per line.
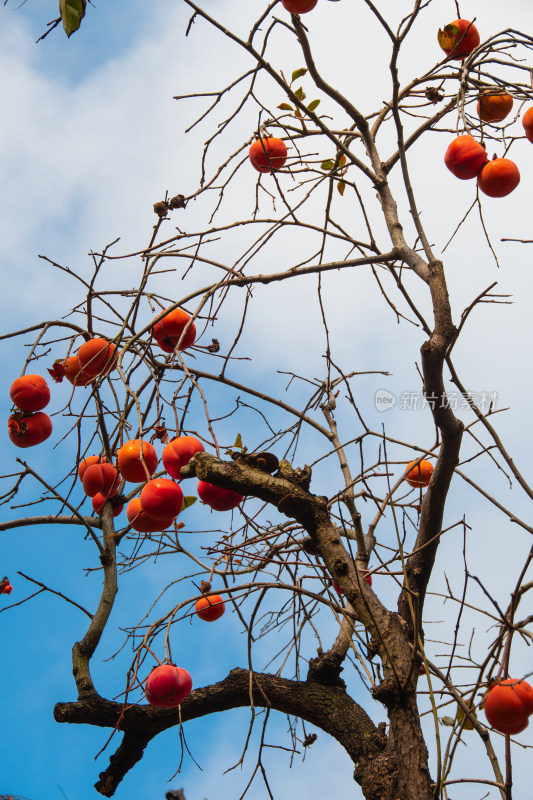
(179, 452)
(494, 106)
(97, 355)
(419, 475)
(161, 498)
(268, 155)
(141, 522)
(129, 460)
(219, 499)
(299, 6)
(167, 331)
(210, 608)
(27, 430)
(30, 393)
(459, 38)
(498, 177)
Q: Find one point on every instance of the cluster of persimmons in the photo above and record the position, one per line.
(508, 703)
(161, 498)
(466, 158)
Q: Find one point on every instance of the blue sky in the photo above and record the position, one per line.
(90, 138)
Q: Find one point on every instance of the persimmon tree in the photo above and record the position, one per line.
(331, 553)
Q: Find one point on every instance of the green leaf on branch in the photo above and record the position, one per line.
(298, 74)
(341, 186)
(313, 104)
(285, 107)
(188, 500)
(468, 725)
(327, 165)
(72, 12)
(448, 721)
(300, 94)
(238, 441)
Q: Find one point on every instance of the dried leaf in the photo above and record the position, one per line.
(238, 441)
(298, 74)
(58, 371)
(72, 12)
(300, 94)
(285, 107)
(161, 433)
(342, 160)
(313, 104)
(447, 721)
(341, 186)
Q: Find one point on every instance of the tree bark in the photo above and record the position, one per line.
(330, 708)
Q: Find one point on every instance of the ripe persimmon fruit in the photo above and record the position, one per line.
(527, 122)
(494, 106)
(459, 38)
(27, 430)
(98, 502)
(299, 6)
(465, 157)
(498, 177)
(512, 729)
(30, 393)
(141, 522)
(210, 608)
(100, 478)
(268, 155)
(167, 331)
(76, 374)
(129, 460)
(419, 475)
(219, 499)
(167, 686)
(179, 452)
(161, 498)
(86, 462)
(97, 355)
(524, 691)
(504, 708)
